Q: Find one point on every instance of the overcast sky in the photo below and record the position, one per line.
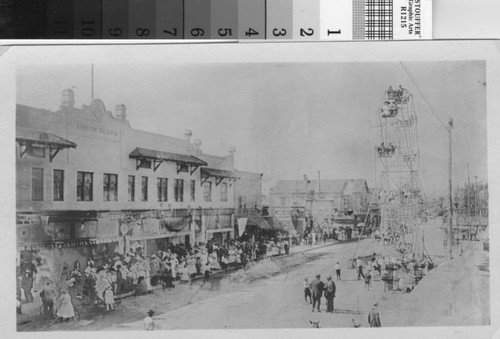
(287, 120)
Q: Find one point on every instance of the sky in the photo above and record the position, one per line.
(289, 119)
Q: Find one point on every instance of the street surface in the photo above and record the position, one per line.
(270, 295)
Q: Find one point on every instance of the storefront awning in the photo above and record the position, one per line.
(260, 222)
(29, 138)
(218, 174)
(182, 160)
(276, 224)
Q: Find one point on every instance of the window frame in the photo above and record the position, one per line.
(207, 198)
(81, 196)
(162, 189)
(192, 191)
(224, 194)
(55, 193)
(179, 190)
(144, 188)
(37, 185)
(131, 188)
(107, 186)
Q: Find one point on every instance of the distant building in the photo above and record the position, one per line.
(247, 193)
(89, 184)
(304, 203)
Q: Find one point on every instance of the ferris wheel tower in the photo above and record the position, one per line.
(398, 165)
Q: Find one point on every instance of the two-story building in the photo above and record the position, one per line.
(88, 184)
(305, 203)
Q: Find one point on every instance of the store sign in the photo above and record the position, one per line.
(95, 131)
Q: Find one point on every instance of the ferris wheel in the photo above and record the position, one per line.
(398, 163)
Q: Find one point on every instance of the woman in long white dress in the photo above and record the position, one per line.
(65, 309)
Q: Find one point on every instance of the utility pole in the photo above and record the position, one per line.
(468, 190)
(450, 229)
(475, 199)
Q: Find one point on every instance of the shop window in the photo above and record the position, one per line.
(223, 192)
(84, 186)
(37, 184)
(179, 189)
(193, 190)
(207, 191)
(58, 185)
(144, 188)
(131, 188)
(162, 189)
(110, 187)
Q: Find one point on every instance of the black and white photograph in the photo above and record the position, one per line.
(221, 187)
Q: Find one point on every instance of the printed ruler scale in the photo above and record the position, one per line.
(217, 19)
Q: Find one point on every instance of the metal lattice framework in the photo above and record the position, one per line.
(398, 158)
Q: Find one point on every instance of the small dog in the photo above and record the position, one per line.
(314, 324)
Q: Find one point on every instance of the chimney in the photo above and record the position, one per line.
(232, 150)
(197, 145)
(187, 135)
(121, 111)
(68, 98)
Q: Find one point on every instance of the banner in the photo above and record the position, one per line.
(242, 224)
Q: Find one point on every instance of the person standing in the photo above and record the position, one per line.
(337, 270)
(330, 294)
(27, 285)
(109, 298)
(360, 269)
(368, 278)
(317, 287)
(374, 317)
(307, 290)
(149, 323)
(207, 272)
(65, 311)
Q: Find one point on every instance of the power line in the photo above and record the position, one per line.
(423, 97)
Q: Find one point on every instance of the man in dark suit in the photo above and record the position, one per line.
(330, 294)
(317, 287)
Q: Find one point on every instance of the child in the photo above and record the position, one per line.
(149, 324)
(109, 298)
(367, 280)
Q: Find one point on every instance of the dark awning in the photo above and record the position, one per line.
(182, 160)
(150, 154)
(276, 224)
(218, 174)
(42, 138)
(259, 222)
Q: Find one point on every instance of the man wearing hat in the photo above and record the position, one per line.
(317, 287)
(149, 324)
(330, 294)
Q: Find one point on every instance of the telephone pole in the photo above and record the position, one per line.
(450, 229)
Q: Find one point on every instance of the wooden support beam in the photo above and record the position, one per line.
(156, 164)
(52, 155)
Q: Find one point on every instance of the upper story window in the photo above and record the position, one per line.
(37, 184)
(144, 188)
(131, 188)
(192, 190)
(84, 186)
(162, 189)
(110, 187)
(223, 192)
(58, 185)
(179, 189)
(207, 191)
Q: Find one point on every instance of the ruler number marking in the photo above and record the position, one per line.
(278, 32)
(173, 32)
(251, 32)
(197, 32)
(308, 32)
(225, 32)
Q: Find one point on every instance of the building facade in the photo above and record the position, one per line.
(305, 203)
(89, 184)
